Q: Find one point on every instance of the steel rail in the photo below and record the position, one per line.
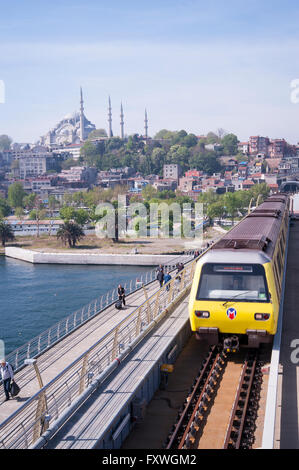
(192, 415)
(240, 409)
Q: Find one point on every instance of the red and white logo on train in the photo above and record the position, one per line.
(231, 313)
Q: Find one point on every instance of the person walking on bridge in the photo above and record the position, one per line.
(121, 294)
(160, 275)
(7, 376)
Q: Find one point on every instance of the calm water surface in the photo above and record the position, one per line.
(34, 297)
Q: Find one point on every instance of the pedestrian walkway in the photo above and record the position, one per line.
(63, 353)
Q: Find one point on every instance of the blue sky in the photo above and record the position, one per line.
(194, 65)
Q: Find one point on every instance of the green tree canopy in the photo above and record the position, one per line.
(16, 194)
(5, 208)
(5, 142)
(230, 144)
(6, 232)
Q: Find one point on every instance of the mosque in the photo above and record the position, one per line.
(72, 129)
(75, 128)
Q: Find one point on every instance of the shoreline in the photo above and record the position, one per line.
(38, 257)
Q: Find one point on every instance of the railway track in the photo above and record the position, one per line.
(220, 410)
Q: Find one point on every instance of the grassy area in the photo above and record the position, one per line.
(90, 243)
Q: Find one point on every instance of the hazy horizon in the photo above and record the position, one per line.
(192, 65)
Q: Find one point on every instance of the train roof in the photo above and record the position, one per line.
(234, 257)
(259, 230)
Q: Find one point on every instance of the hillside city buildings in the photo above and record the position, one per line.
(38, 166)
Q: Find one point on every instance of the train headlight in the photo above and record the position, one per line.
(202, 313)
(261, 316)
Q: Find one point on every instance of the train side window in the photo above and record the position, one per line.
(279, 262)
(276, 277)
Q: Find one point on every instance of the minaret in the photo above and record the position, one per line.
(145, 125)
(122, 135)
(81, 116)
(110, 134)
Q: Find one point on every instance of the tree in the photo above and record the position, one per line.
(206, 162)
(97, 133)
(29, 201)
(5, 142)
(19, 212)
(70, 233)
(230, 144)
(38, 214)
(231, 204)
(207, 198)
(212, 138)
(67, 213)
(52, 203)
(81, 216)
(16, 194)
(6, 232)
(216, 210)
(261, 190)
(5, 208)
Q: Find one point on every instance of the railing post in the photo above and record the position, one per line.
(115, 341)
(157, 304)
(138, 323)
(83, 373)
(40, 423)
(170, 285)
(148, 308)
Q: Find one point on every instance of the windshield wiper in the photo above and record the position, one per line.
(232, 298)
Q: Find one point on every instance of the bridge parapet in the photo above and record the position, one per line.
(62, 395)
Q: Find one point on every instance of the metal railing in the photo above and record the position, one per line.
(25, 426)
(48, 338)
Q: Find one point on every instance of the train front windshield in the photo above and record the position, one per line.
(246, 282)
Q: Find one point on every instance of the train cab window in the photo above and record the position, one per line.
(246, 283)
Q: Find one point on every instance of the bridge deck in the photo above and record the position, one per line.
(106, 406)
(67, 350)
(287, 416)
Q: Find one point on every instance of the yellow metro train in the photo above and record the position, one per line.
(236, 290)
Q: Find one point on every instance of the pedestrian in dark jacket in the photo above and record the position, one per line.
(160, 276)
(121, 294)
(7, 376)
(179, 268)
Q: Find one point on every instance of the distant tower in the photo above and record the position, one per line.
(81, 116)
(145, 125)
(122, 135)
(110, 133)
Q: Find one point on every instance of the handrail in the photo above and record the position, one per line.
(31, 420)
(51, 336)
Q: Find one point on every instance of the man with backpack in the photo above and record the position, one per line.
(7, 376)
